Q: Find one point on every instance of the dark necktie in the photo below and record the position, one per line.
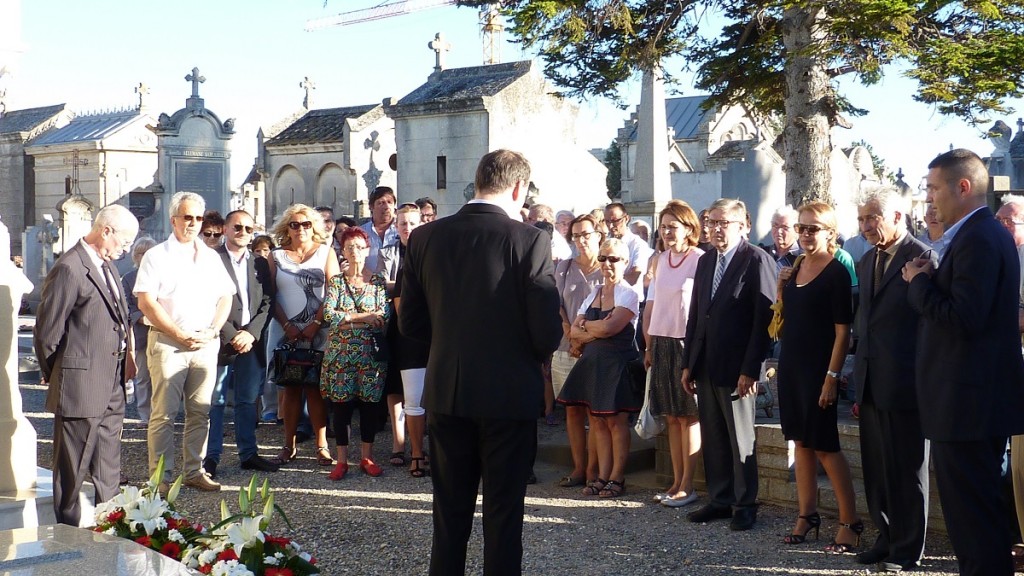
(110, 277)
(719, 272)
(881, 257)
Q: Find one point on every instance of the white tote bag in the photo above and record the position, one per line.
(648, 426)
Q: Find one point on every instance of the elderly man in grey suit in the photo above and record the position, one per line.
(893, 447)
(83, 343)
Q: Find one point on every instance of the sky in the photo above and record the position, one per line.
(255, 53)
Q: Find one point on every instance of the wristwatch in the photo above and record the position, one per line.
(833, 374)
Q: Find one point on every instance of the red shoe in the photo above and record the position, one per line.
(370, 468)
(340, 469)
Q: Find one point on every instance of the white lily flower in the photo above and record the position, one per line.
(148, 514)
(244, 533)
(128, 498)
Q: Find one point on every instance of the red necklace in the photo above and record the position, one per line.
(685, 254)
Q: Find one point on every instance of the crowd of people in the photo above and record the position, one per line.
(453, 327)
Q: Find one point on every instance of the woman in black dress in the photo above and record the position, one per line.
(815, 337)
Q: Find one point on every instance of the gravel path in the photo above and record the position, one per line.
(369, 526)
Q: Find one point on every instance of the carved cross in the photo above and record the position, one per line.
(309, 86)
(75, 163)
(439, 45)
(196, 80)
(142, 90)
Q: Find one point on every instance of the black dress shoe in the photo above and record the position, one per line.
(871, 556)
(709, 512)
(257, 462)
(210, 465)
(743, 519)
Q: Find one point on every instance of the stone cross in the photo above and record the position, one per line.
(309, 86)
(75, 163)
(142, 90)
(439, 45)
(196, 80)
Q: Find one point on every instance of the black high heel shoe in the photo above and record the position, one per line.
(837, 547)
(813, 523)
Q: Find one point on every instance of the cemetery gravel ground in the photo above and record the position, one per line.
(365, 525)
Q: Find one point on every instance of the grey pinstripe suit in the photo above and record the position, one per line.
(78, 338)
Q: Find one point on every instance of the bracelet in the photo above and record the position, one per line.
(832, 373)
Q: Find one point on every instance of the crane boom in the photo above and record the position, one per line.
(379, 12)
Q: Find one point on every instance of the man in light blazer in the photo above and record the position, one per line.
(726, 341)
(83, 342)
(894, 451)
(970, 375)
(479, 287)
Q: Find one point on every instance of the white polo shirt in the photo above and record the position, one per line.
(187, 279)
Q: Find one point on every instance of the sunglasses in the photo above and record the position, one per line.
(190, 218)
(304, 225)
(807, 229)
(239, 228)
(612, 259)
(212, 234)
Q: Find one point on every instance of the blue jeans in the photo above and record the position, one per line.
(246, 378)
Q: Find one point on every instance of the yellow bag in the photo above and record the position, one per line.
(775, 327)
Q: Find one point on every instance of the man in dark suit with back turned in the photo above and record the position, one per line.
(970, 375)
(479, 286)
(726, 341)
(894, 451)
(83, 343)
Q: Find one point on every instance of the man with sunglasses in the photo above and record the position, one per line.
(185, 293)
(212, 231)
(242, 358)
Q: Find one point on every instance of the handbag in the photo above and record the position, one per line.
(294, 366)
(381, 350)
(775, 326)
(647, 425)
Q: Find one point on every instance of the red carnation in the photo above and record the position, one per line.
(278, 572)
(171, 550)
(277, 540)
(228, 554)
(115, 516)
(145, 541)
(173, 523)
(206, 568)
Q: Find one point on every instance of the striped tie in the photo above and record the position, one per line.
(719, 272)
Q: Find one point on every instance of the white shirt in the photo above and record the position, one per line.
(390, 238)
(240, 269)
(625, 297)
(187, 280)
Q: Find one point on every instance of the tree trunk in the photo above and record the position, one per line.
(809, 108)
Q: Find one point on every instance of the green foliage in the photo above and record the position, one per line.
(613, 161)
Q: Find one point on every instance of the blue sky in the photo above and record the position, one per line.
(254, 54)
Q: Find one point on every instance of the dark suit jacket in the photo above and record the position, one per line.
(78, 336)
(259, 306)
(728, 335)
(480, 289)
(970, 375)
(886, 328)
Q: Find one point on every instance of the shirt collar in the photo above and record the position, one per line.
(513, 214)
(951, 232)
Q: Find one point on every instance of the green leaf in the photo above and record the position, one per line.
(224, 512)
(243, 501)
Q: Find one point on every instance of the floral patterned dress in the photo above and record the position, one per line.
(349, 370)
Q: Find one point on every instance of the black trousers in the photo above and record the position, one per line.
(894, 454)
(464, 451)
(87, 446)
(369, 413)
(970, 489)
(729, 446)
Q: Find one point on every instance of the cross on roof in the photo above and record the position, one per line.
(196, 80)
(439, 45)
(142, 90)
(309, 86)
(1020, 124)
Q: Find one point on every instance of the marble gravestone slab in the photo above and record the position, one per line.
(203, 178)
(60, 550)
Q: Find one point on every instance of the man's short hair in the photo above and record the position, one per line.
(733, 206)
(961, 163)
(501, 170)
(618, 205)
(236, 212)
(888, 197)
(347, 221)
(114, 216)
(378, 193)
(426, 201)
(179, 197)
(543, 213)
(786, 211)
(325, 209)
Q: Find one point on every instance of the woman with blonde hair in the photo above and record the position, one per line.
(299, 270)
(814, 342)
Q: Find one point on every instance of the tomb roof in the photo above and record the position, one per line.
(734, 149)
(684, 115)
(28, 119)
(88, 127)
(457, 87)
(316, 126)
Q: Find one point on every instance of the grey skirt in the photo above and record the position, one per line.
(667, 395)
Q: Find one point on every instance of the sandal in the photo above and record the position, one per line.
(418, 471)
(398, 459)
(613, 489)
(323, 457)
(571, 482)
(285, 456)
(594, 488)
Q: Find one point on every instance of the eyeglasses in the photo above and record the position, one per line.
(808, 229)
(124, 243)
(617, 220)
(612, 259)
(212, 234)
(719, 223)
(1009, 222)
(783, 227)
(582, 235)
(239, 228)
(190, 217)
(353, 249)
(304, 225)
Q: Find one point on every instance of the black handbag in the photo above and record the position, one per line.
(294, 366)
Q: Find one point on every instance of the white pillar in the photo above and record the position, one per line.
(651, 180)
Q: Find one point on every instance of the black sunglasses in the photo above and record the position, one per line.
(190, 218)
(807, 229)
(296, 225)
(239, 228)
(612, 259)
(211, 233)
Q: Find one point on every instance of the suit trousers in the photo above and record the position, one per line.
(729, 446)
(87, 446)
(244, 379)
(177, 373)
(894, 454)
(970, 489)
(462, 452)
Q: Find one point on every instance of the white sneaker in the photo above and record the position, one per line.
(679, 502)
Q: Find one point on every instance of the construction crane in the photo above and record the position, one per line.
(490, 20)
